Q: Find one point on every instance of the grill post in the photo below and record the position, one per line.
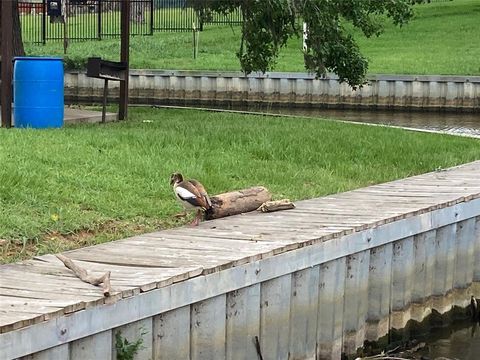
(124, 57)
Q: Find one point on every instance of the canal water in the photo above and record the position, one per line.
(460, 345)
(466, 123)
(461, 341)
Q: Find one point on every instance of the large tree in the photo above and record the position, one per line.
(268, 24)
(17, 32)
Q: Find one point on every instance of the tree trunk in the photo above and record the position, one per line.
(237, 202)
(18, 49)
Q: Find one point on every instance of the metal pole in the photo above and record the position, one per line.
(152, 9)
(124, 57)
(104, 105)
(44, 22)
(99, 20)
(7, 54)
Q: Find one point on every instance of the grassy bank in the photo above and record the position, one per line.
(86, 184)
(441, 39)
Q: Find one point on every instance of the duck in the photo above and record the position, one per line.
(191, 194)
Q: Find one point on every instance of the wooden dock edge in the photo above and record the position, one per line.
(317, 300)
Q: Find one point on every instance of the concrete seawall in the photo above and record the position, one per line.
(402, 92)
(309, 283)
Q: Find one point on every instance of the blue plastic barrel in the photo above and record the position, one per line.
(38, 92)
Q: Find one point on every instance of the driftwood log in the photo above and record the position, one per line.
(237, 202)
(83, 275)
(277, 205)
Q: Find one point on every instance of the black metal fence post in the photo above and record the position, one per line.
(44, 22)
(152, 9)
(99, 20)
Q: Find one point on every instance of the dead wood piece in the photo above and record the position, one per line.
(277, 205)
(83, 275)
(237, 202)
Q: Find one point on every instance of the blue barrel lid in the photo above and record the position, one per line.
(37, 58)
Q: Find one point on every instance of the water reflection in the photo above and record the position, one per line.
(463, 344)
(452, 123)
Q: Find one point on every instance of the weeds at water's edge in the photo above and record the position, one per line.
(127, 350)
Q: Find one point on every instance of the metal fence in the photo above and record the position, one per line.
(98, 19)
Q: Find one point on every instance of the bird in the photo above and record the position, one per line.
(191, 194)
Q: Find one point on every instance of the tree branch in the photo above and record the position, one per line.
(83, 275)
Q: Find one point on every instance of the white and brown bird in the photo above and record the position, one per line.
(191, 194)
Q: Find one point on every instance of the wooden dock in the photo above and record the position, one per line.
(313, 281)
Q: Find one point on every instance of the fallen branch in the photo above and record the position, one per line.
(83, 275)
(277, 205)
(237, 202)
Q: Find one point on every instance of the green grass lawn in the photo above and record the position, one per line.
(86, 184)
(443, 38)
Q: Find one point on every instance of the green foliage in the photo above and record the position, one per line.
(125, 349)
(268, 24)
(441, 39)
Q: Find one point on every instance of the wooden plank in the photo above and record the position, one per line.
(424, 268)
(57, 352)
(98, 346)
(134, 331)
(476, 268)
(207, 229)
(23, 304)
(54, 282)
(303, 314)
(444, 266)
(208, 329)
(119, 258)
(275, 317)
(29, 295)
(402, 282)
(242, 323)
(13, 320)
(171, 334)
(158, 277)
(138, 276)
(379, 288)
(330, 309)
(180, 241)
(463, 270)
(259, 234)
(356, 301)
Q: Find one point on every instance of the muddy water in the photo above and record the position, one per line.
(456, 342)
(452, 123)
(466, 123)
